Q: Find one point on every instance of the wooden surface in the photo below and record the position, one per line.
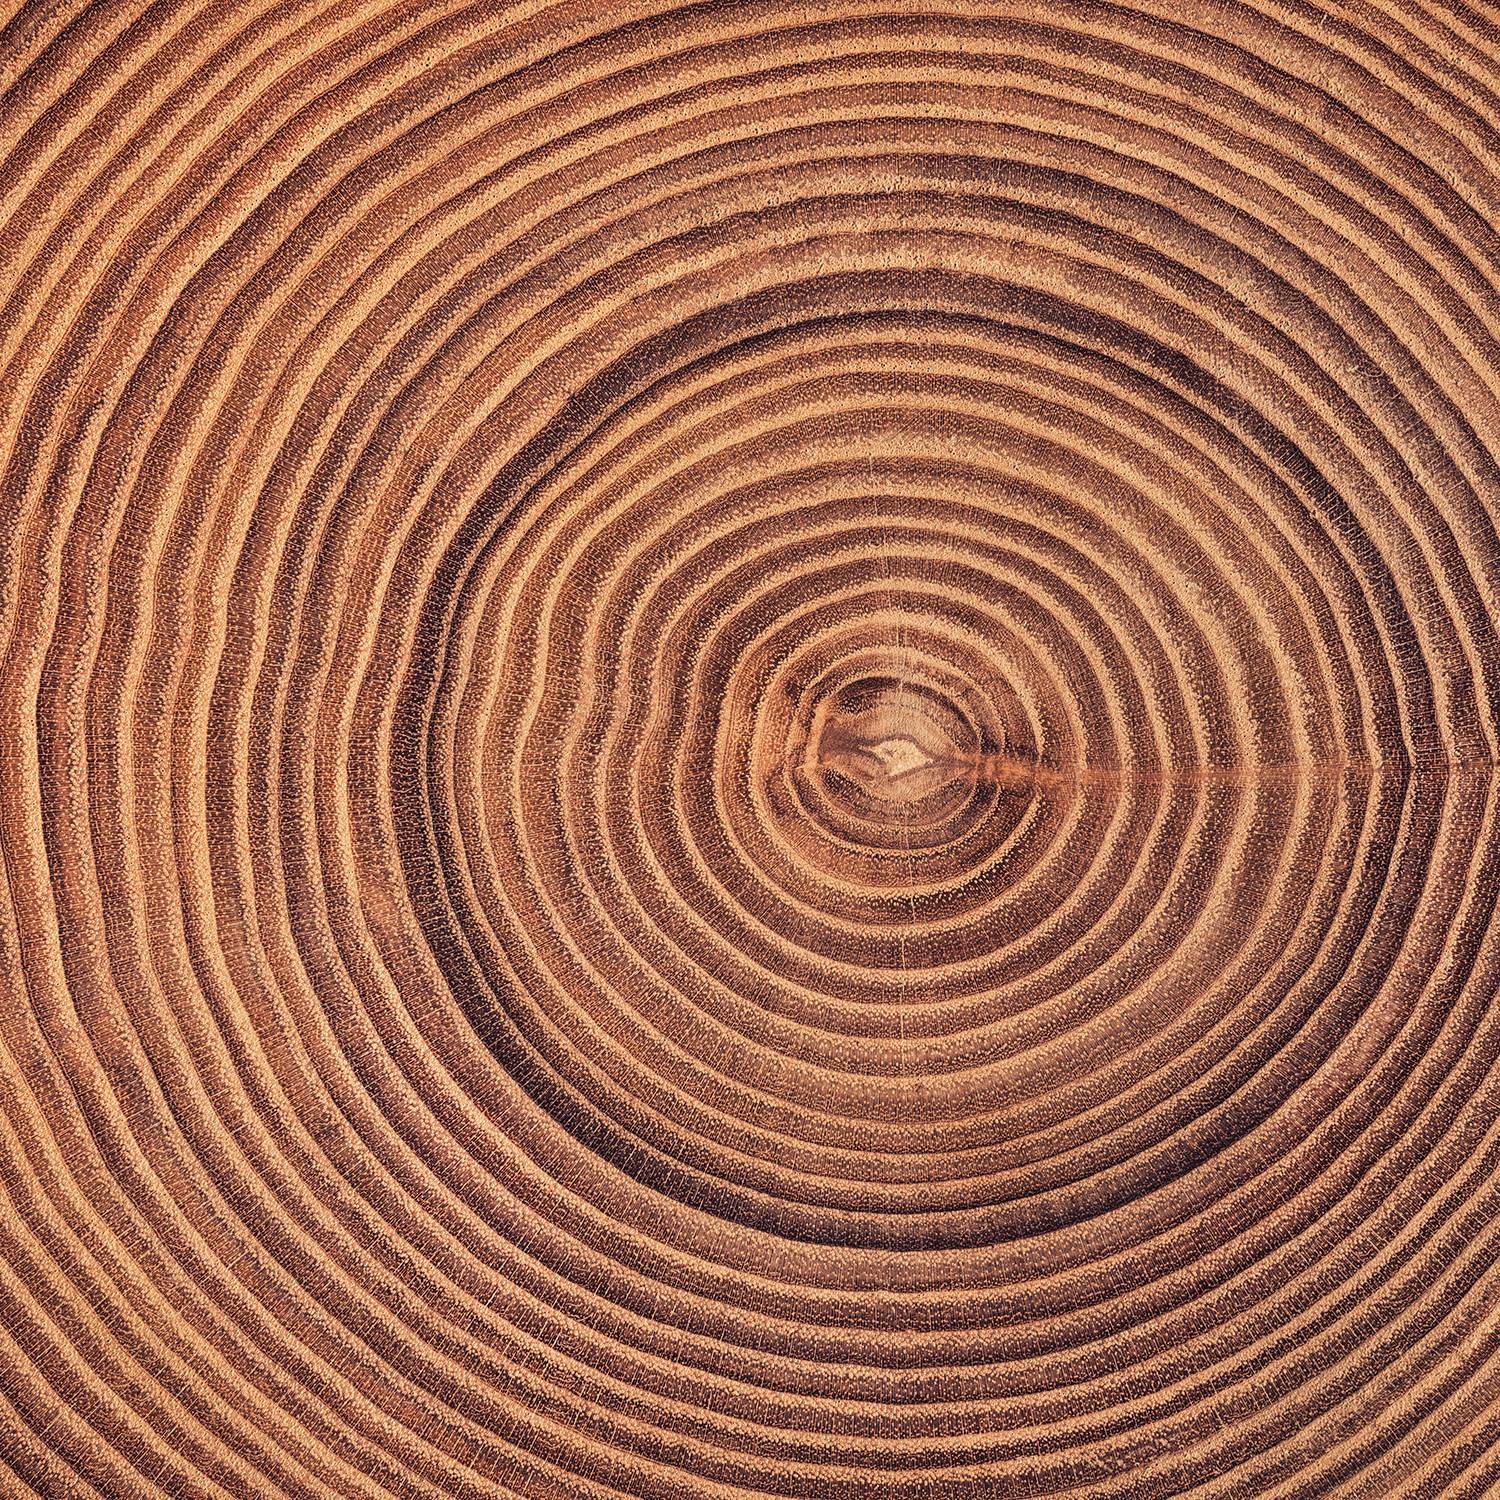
(747, 750)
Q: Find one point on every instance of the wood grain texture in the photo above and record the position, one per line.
(747, 750)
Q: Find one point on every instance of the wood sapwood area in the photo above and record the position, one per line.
(748, 750)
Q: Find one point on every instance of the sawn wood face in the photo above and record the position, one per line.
(747, 750)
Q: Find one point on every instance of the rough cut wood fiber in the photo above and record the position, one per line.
(748, 750)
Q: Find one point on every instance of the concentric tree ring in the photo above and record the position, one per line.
(749, 751)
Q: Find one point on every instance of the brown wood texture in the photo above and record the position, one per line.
(747, 750)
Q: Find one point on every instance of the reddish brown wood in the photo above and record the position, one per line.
(747, 750)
